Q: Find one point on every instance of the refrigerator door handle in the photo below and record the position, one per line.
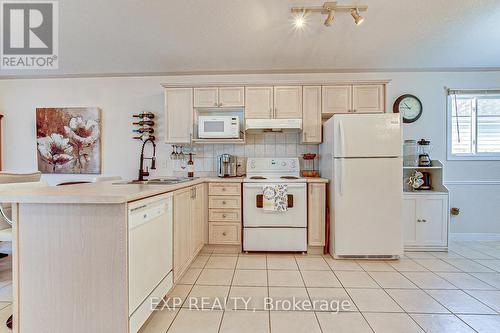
(341, 134)
(341, 179)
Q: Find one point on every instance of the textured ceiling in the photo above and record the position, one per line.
(166, 36)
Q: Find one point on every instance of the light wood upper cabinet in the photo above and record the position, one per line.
(206, 97)
(311, 114)
(287, 102)
(259, 102)
(336, 99)
(232, 97)
(368, 98)
(178, 115)
(316, 213)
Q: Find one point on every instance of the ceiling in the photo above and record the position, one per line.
(127, 37)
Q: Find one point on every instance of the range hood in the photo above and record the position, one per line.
(273, 124)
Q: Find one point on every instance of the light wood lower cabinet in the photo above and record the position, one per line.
(316, 213)
(224, 214)
(189, 217)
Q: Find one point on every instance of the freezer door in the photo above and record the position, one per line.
(368, 207)
(367, 135)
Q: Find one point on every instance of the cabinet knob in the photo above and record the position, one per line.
(223, 202)
(223, 189)
(220, 104)
(215, 104)
(424, 220)
(419, 220)
(224, 233)
(224, 215)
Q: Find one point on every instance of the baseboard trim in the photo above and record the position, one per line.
(472, 182)
(473, 236)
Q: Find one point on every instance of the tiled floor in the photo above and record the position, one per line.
(226, 291)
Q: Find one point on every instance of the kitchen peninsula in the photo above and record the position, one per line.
(77, 265)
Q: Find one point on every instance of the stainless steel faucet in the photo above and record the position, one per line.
(143, 173)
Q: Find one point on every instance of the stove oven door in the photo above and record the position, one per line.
(255, 216)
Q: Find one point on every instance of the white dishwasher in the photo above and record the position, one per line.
(150, 246)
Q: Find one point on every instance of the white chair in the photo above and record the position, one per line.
(13, 181)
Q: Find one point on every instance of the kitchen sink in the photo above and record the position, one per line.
(157, 181)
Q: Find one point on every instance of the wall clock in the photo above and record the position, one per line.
(409, 106)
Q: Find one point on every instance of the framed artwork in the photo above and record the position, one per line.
(69, 140)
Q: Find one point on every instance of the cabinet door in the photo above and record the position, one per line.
(316, 211)
(198, 219)
(258, 102)
(409, 221)
(206, 97)
(368, 98)
(311, 114)
(232, 97)
(432, 220)
(336, 99)
(182, 231)
(288, 102)
(178, 115)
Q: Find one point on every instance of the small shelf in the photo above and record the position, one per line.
(435, 165)
(425, 192)
(215, 141)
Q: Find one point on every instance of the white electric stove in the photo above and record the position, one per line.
(271, 230)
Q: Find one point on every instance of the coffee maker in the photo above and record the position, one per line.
(226, 165)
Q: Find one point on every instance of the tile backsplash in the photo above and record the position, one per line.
(257, 145)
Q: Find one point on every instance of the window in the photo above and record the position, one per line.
(474, 125)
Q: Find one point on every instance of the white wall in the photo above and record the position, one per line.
(119, 98)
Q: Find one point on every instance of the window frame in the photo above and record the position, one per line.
(449, 136)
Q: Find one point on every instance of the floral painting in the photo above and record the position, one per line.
(69, 140)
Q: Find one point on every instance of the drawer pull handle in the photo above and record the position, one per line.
(224, 215)
(224, 233)
(424, 220)
(223, 202)
(223, 189)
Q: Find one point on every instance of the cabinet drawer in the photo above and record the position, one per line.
(224, 189)
(224, 215)
(224, 202)
(224, 233)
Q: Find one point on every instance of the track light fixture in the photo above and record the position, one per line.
(330, 9)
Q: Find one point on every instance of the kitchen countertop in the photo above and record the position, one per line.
(107, 192)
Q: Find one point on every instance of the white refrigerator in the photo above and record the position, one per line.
(361, 155)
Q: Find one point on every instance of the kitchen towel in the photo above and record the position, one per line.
(275, 198)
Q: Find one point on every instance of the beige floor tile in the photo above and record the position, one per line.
(200, 261)
(207, 298)
(296, 322)
(468, 265)
(207, 249)
(3, 305)
(441, 323)
(375, 266)
(492, 279)
(472, 254)
(283, 299)
(392, 280)
(428, 280)
(158, 322)
(190, 276)
(250, 277)
(337, 298)
(282, 263)
(416, 301)
(352, 279)
(407, 265)
(245, 322)
(247, 298)
(490, 298)
(373, 300)
(251, 262)
(221, 262)
(418, 255)
(193, 321)
(281, 278)
(458, 301)
(445, 255)
(343, 265)
(483, 324)
(320, 279)
(436, 265)
(215, 277)
(493, 264)
(227, 249)
(466, 281)
(392, 323)
(312, 264)
(177, 295)
(343, 322)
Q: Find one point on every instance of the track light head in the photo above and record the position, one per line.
(358, 19)
(329, 18)
(300, 20)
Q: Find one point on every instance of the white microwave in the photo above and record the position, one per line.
(218, 127)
